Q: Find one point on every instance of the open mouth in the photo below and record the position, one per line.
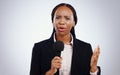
(61, 29)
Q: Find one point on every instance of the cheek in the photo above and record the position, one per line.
(70, 24)
(70, 27)
(55, 23)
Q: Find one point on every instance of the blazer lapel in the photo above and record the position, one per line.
(76, 59)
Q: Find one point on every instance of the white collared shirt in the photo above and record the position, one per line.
(66, 55)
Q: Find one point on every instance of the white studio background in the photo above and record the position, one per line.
(24, 22)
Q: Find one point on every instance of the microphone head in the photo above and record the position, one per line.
(58, 46)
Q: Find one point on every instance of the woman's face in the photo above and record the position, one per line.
(63, 20)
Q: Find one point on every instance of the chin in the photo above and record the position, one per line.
(62, 34)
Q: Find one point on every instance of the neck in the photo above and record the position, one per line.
(66, 39)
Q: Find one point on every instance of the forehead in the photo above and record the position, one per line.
(63, 10)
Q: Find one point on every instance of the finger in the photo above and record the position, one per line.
(96, 53)
(56, 62)
(57, 58)
(98, 49)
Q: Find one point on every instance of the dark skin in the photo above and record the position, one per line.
(63, 22)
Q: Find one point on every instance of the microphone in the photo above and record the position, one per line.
(58, 46)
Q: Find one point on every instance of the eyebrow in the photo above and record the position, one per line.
(64, 16)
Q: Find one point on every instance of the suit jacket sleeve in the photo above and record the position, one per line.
(99, 71)
(35, 61)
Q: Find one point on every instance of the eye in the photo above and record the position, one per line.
(57, 17)
(67, 18)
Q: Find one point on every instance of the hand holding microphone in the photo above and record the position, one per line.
(56, 62)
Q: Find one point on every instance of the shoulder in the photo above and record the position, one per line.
(83, 46)
(81, 42)
(42, 43)
(41, 46)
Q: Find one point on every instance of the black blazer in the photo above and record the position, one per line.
(43, 53)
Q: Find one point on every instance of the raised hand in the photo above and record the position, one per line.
(94, 59)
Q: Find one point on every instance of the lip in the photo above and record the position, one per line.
(61, 29)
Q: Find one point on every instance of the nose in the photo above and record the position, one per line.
(62, 21)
